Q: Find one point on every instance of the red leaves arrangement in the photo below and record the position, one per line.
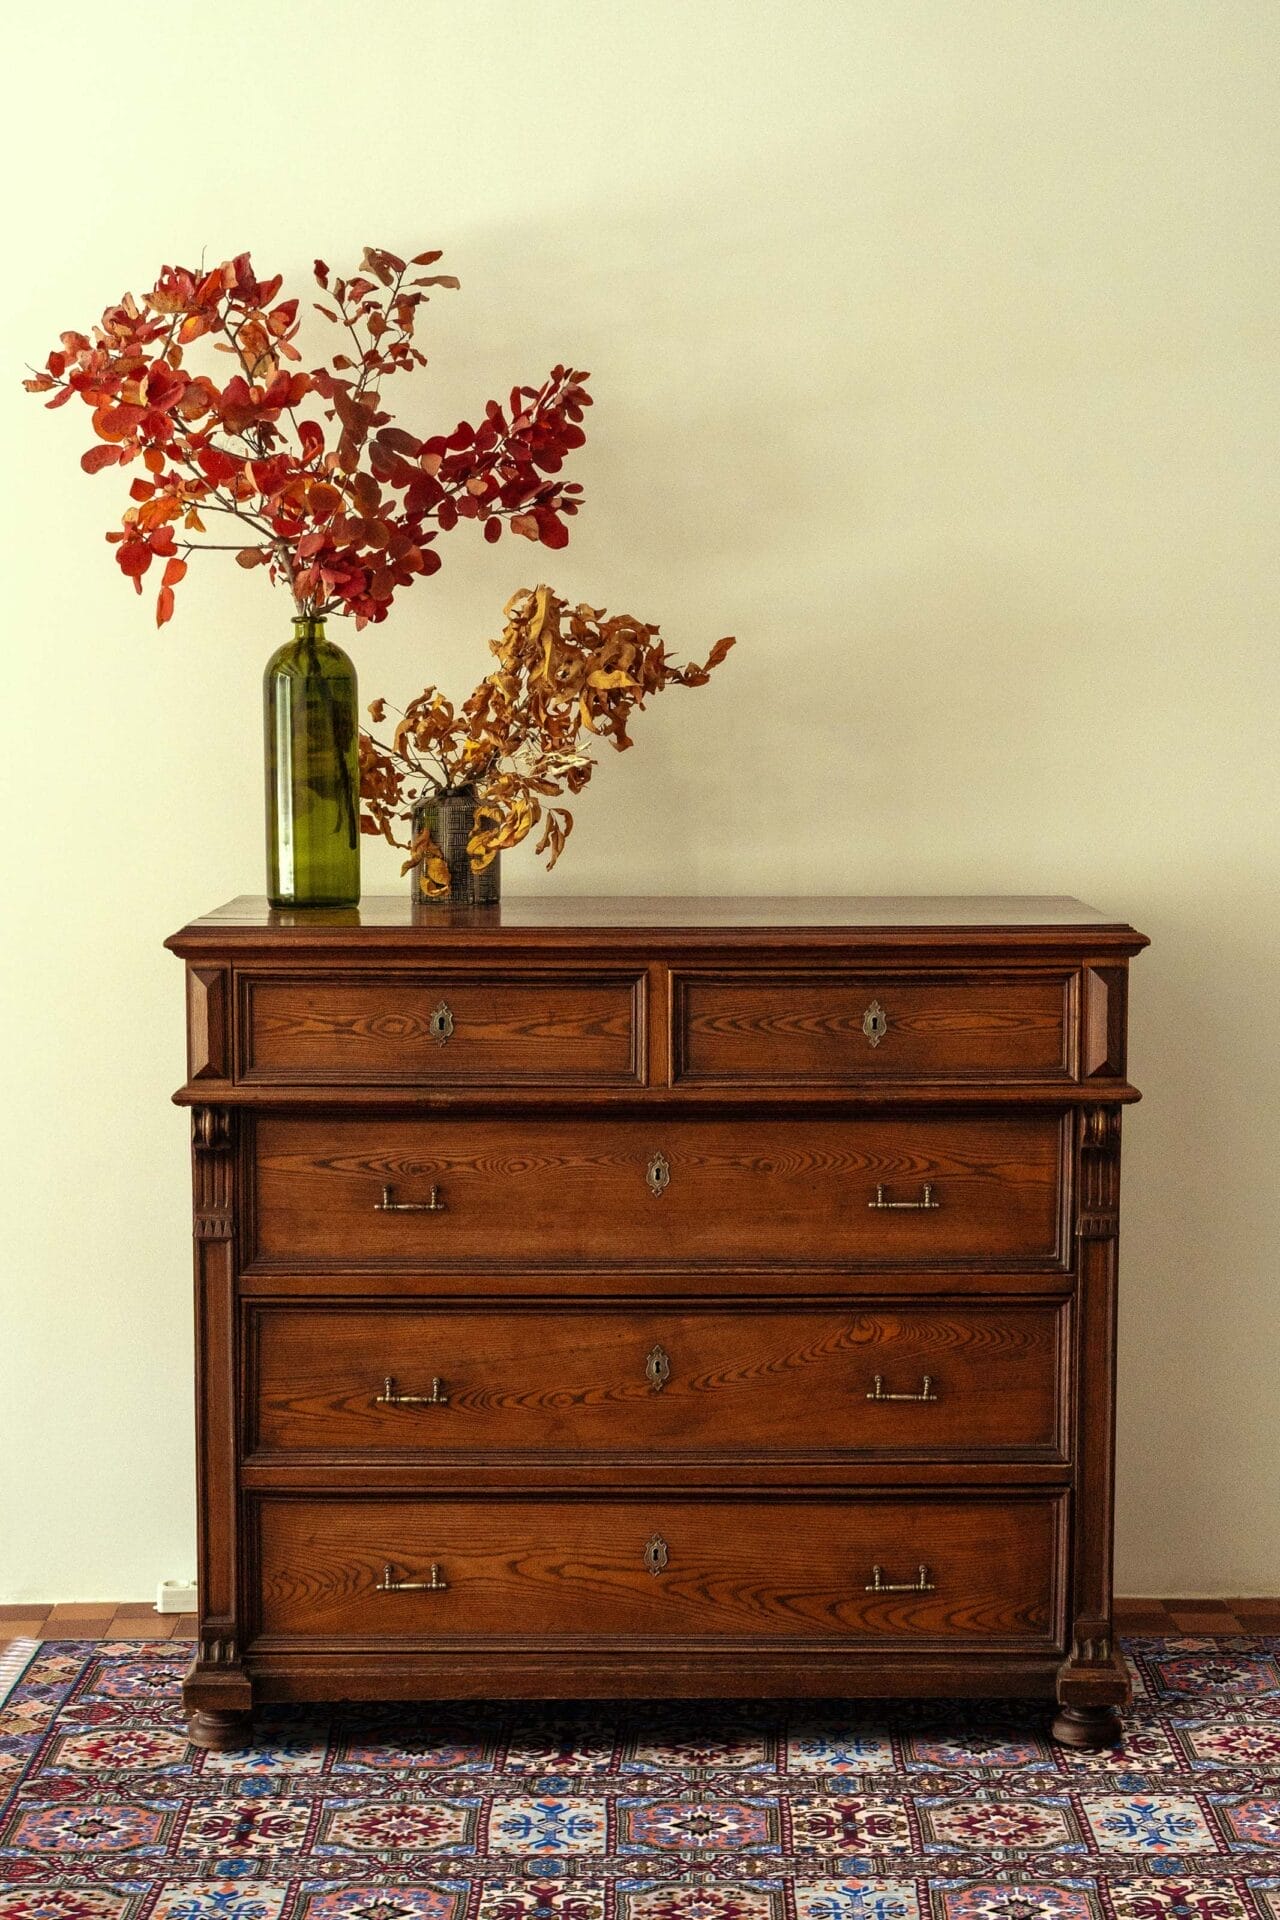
(564, 675)
(345, 508)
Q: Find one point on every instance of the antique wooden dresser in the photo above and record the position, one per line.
(656, 1297)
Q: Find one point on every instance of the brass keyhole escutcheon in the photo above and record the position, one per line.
(655, 1554)
(658, 1174)
(440, 1025)
(658, 1368)
(875, 1023)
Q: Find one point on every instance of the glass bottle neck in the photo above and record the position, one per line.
(308, 626)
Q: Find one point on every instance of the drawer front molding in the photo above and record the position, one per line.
(442, 1028)
(693, 1193)
(665, 1567)
(829, 1029)
(439, 1381)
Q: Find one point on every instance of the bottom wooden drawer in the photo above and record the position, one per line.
(955, 1570)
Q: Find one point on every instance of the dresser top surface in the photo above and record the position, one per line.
(640, 912)
(538, 918)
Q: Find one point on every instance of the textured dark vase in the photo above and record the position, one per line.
(451, 817)
(312, 731)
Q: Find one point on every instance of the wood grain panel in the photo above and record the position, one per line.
(799, 1029)
(569, 1191)
(1103, 1038)
(752, 1570)
(730, 1381)
(363, 1029)
(208, 1023)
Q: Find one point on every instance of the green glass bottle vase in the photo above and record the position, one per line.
(312, 732)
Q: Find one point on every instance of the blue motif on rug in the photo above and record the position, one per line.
(921, 1810)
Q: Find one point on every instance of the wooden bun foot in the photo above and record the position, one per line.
(218, 1731)
(1086, 1728)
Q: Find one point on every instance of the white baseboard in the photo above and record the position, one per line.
(176, 1596)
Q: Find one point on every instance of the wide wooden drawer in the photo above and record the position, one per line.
(838, 1028)
(561, 1191)
(978, 1379)
(445, 1029)
(957, 1570)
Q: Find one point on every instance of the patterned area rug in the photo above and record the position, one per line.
(743, 1812)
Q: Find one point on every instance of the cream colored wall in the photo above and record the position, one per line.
(935, 355)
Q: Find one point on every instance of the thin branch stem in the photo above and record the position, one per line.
(222, 546)
(415, 767)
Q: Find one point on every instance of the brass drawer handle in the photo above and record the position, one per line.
(389, 1203)
(878, 1583)
(658, 1368)
(925, 1204)
(875, 1023)
(658, 1174)
(440, 1025)
(926, 1390)
(390, 1398)
(389, 1584)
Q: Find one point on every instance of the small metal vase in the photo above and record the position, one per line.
(451, 816)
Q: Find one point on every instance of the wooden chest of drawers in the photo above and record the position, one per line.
(656, 1298)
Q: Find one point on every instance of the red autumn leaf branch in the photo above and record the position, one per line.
(345, 508)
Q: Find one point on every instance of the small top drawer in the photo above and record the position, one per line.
(835, 1028)
(444, 1029)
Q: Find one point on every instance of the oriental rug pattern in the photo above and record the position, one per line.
(910, 1811)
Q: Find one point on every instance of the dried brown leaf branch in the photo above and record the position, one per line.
(565, 678)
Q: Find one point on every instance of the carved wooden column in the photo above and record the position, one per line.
(1093, 1681)
(216, 1692)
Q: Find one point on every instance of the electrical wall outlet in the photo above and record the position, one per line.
(176, 1596)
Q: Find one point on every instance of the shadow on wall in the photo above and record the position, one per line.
(792, 456)
(1199, 1441)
